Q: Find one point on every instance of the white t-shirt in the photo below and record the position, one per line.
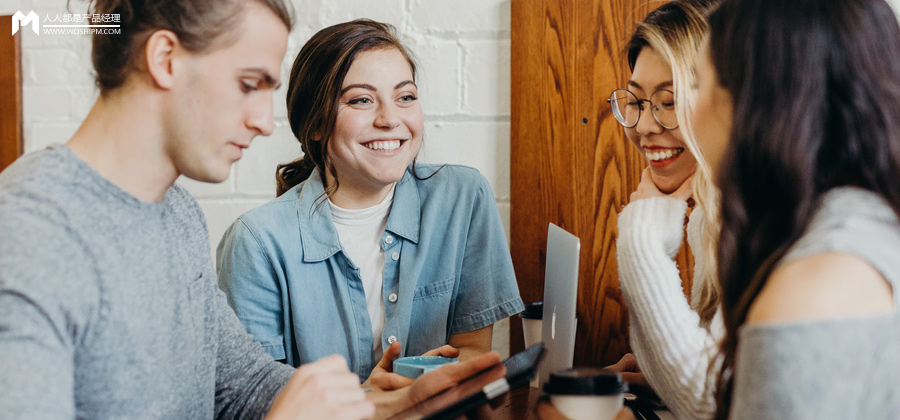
(360, 233)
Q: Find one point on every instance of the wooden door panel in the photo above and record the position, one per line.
(10, 93)
(537, 73)
(571, 163)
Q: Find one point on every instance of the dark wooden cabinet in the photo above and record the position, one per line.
(11, 146)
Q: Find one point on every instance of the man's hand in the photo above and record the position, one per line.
(451, 374)
(325, 389)
(434, 382)
(382, 376)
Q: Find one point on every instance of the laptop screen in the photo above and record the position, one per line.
(560, 300)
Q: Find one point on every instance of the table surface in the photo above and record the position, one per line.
(517, 405)
(520, 405)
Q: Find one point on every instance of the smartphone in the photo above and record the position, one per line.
(479, 389)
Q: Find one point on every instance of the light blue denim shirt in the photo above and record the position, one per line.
(447, 270)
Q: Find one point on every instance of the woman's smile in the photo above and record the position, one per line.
(660, 157)
(385, 147)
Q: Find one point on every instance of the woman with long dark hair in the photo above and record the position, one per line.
(366, 253)
(799, 116)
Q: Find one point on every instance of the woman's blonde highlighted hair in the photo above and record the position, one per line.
(675, 31)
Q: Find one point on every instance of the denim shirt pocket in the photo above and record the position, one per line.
(429, 322)
(435, 289)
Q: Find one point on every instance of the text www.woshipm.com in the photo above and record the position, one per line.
(83, 31)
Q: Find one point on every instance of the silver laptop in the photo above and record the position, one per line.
(560, 299)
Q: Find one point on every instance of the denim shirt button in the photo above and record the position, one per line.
(392, 297)
(389, 239)
(392, 339)
(395, 256)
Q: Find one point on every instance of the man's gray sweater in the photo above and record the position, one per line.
(109, 306)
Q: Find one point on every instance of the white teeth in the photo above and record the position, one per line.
(664, 155)
(384, 145)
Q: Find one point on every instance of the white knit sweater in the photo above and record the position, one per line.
(672, 349)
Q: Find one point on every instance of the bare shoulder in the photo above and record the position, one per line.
(831, 285)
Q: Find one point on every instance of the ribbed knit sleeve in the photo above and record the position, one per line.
(673, 350)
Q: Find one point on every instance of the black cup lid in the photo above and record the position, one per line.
(533, 310)
(585, 381)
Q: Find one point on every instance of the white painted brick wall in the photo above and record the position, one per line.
(463, 51)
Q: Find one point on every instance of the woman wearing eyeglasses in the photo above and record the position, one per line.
(673, 340)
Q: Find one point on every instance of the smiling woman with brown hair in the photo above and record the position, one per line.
(367, 253)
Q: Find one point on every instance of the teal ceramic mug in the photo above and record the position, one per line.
(414, 366)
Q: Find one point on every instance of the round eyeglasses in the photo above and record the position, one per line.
(626, 107)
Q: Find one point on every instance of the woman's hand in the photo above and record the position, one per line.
(325, 389)
(647, 189)
(383, 376)
(631, 372)
(547, 411)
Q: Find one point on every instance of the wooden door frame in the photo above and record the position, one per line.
(11, 132)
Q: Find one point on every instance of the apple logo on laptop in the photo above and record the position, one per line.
(553, 324)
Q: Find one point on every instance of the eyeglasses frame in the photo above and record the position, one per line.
(653, 107)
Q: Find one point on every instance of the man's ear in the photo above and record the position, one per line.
(159, 54)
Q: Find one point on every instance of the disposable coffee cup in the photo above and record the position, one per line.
(586, 393)
(531, 322)
(531, 327)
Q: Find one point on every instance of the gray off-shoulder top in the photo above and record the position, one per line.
(830, 369)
